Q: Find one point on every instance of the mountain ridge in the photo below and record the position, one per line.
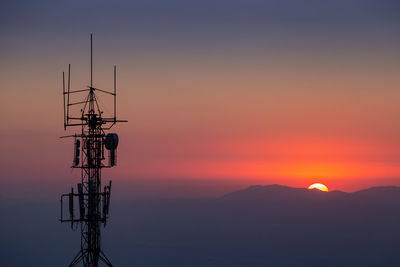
(283, 191)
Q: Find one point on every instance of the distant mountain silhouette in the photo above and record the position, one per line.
(380, 192)
(277, 192)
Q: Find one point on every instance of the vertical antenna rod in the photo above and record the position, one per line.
(115, 93)
(69, 85)
(65, 126)
(91, 60)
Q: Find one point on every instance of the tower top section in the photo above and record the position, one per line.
(86, 101)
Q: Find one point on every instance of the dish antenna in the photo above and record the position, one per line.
(93, 201)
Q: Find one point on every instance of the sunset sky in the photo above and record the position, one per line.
(289, 92)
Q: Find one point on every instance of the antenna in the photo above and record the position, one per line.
(89, 146)
(115, 92)
(91, 60)
(65, 127)
(69, 84)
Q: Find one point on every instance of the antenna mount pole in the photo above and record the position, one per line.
(115, 93)
(65, 126)
(91, 60)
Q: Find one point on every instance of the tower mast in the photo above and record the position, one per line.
(93, 201)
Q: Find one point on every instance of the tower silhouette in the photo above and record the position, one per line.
(90, 146)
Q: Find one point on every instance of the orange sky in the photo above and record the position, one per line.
(293, 104)
(328, 125)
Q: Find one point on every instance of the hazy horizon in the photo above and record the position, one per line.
(256, 227)
(142, 189)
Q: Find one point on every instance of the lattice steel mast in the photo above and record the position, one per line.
(93, 201)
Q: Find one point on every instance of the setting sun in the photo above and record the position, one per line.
(319, 187)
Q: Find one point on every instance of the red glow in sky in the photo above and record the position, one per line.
(285, 102)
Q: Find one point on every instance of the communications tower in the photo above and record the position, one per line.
(94, 149)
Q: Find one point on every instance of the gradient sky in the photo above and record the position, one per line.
(290, 92)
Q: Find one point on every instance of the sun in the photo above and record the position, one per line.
(319, 187)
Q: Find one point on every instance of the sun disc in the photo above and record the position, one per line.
(319, 186)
